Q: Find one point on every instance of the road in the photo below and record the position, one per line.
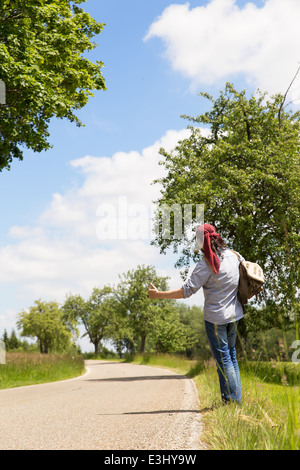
(114, 406)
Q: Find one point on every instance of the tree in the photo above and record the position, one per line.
(42, 43)
(168, 333)
(118, 329)
(246, 173)
(134, 303)
(45, 322)
(146, 317)
(192, 317)
(5, 339)
(14, 343)
(92, 314)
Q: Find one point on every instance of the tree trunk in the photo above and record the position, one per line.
(143, 343)
(241, 340)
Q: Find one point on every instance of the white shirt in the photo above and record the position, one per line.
(220, 290)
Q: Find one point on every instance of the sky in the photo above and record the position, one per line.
(79, 215)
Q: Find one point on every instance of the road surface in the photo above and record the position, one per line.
(114, 406)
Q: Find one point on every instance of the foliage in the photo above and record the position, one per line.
(284, 373)
(119, 330)
(91, 313)
(245, 170)
(133, 303)
(42, 43)
(275, 344)
(12, 341)
(45, 322)
(193, 320)
(125, 316)
(168, 334)
(153, 319)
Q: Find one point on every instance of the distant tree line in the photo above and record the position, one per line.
(122, 315)
(12, 342)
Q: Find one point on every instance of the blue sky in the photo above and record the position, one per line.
(158, 55)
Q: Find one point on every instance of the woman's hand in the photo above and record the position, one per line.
(172, 294)
(152, 292)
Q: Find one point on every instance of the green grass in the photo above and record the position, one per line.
(33, 368)
(268, 419)
(178, 364)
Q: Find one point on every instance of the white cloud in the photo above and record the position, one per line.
(220, 41)
(63, 253)
(107, 179)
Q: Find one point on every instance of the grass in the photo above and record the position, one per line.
(268, 419)
(34, 368)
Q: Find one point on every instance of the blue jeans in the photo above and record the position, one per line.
(222, 340)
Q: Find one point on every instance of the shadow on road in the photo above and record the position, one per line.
(142, 377)
(156, 412)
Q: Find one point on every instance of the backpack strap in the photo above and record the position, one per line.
(236, 254)
(239, 295)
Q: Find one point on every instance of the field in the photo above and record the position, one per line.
(268, 419)
(34, 368)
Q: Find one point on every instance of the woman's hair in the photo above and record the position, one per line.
(217, 246)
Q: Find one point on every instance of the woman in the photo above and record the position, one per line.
(218, 275)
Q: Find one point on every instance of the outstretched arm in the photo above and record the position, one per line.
(154, 293)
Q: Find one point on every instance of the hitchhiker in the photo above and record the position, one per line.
(218, 274)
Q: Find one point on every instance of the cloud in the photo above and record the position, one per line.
(109, 181)
(65, 252)
(221, 41)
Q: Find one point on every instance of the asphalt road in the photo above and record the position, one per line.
(114, 406)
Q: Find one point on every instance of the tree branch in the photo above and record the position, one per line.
(285, 95)
(290, 102)
(11, 17)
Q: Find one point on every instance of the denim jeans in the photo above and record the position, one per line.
(222, 339)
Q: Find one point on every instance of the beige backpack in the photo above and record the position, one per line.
(252, 280)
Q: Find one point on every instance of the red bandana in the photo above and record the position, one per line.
(204, 234)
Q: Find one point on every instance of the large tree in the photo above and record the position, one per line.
(134, 304)
(157, 320)
(92, 313)
(246, 172)
(44, 321)
(168, 334)
(42, 64)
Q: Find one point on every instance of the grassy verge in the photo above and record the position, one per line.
(33, 368)
(268, 419)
